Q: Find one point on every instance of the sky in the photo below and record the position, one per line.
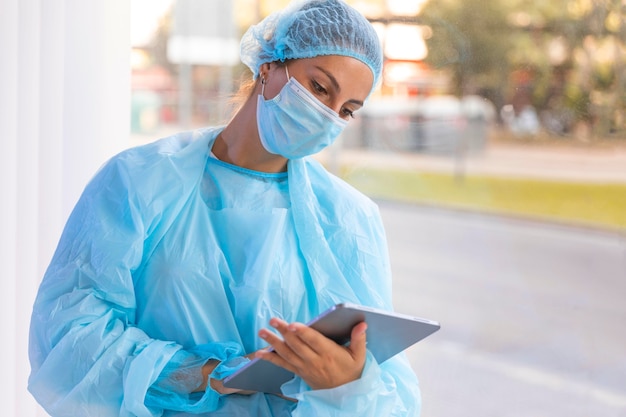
(145, 16)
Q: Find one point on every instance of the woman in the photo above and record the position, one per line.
(180, 253)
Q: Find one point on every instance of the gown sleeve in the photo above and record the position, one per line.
(88, 358)
(389, 389)
(351, 242)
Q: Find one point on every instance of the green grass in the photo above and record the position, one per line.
(598, 205)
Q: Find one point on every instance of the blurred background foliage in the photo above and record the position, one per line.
(564, 57)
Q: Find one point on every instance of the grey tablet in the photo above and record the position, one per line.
(388, 333)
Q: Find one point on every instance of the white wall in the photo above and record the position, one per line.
(64, 109)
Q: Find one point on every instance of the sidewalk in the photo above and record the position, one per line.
(559, 163)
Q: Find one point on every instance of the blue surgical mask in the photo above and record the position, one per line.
(295, 123)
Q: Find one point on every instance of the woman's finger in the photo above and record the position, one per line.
(358, 342)
(287, 358)
(298, 352)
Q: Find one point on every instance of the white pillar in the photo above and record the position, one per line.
(27, 191)
(51, 99)
(64, 109)
(96, 89)
(8, 193)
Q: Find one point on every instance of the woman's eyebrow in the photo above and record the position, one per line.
(330, 76)
(335, 84)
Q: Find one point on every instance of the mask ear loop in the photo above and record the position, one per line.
(263, 81)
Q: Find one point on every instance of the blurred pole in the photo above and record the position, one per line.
(460, 155)
(225, 91)
(203, 34)
(185, 95)
(618, 63)
(225, 88)
(182, 15)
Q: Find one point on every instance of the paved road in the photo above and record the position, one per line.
(533, 315)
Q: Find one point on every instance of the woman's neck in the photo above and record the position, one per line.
(239, 143)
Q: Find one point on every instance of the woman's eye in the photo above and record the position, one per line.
(347, 113)
(318, 88)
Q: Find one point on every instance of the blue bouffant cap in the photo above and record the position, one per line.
(310, 28)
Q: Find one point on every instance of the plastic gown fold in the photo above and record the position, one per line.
(166, 263)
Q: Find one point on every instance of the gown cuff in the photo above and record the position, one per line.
(183, 373)
(356, 396)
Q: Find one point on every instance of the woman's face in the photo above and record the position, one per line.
(342, 83)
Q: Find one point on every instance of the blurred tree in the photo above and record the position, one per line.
(471, 43)
(565, 57)
(158, 45)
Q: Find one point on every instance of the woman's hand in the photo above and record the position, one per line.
(318, 360)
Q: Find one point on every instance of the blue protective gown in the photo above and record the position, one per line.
(172, 257)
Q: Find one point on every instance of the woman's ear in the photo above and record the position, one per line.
(264, 70)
